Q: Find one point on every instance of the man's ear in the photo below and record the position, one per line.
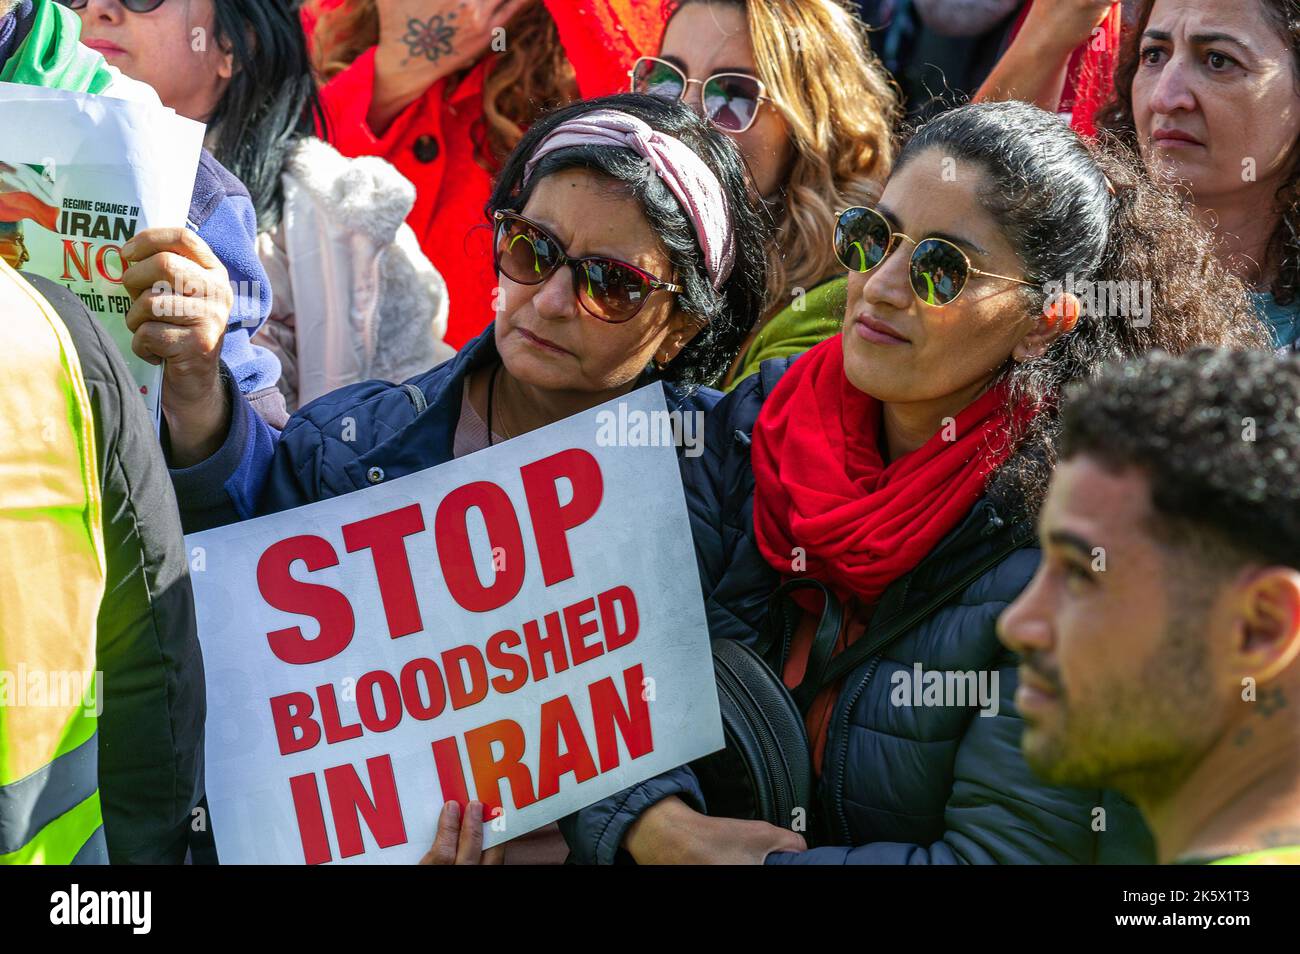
(1268, 622)
(682, 328)
(1060, 316)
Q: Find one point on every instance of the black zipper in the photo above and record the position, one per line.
(787, 637)
(840, 814)
(837, 793)
(772, 755)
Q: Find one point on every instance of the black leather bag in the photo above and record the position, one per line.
(765, 770)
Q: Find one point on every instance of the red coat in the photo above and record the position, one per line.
(429, 142)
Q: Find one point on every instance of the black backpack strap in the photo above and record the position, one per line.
(783, 616)
(866, 647)
(827, 634)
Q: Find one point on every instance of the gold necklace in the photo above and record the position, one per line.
(492, 384)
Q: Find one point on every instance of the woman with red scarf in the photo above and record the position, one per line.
(444, 89)
(906, 458)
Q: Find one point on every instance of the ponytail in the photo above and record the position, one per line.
(1084, 217)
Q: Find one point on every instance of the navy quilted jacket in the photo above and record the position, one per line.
(346, 440)
(900, 784)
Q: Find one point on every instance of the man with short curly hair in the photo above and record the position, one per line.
(1160, 637)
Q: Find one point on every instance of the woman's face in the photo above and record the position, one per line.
(1215, 98)
(707, 38)
(901, 351)
(173, 49)
(544, 336)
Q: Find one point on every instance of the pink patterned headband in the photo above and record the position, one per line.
(685, 174)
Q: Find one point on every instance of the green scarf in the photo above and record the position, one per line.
(52, 55)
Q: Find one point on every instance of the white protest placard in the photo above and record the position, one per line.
(523, 626)
(80, 175)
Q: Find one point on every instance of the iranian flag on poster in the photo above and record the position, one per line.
(80, 175)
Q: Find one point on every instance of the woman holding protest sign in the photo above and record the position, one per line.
(1210, 94)
(812, 146)
(39, 47)
(627, 251)
(353, 296)
(900, 466)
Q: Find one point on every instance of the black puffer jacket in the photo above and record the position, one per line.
(901, 784)
(151, 729)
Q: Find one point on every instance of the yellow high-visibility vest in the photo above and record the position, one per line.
(51, 583)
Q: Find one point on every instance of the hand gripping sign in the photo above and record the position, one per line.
(523, 626)
(80, 176)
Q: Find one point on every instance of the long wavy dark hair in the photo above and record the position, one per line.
(729, 311)
(1050, 191)
(271, 102)
(1283, 254)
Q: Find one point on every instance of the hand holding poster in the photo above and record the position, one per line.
(80, 175)
(523, 626)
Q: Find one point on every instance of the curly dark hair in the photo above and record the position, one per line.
(1116, 117)
(1217, 433)
(1051, 192)
(729, 311)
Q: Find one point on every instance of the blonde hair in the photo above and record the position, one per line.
(841, 107)
(532, 75)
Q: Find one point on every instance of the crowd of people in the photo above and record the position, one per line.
(1013, 381)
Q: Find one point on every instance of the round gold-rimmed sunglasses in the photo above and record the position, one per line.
(611, 290)
(938, 269)
(730, 100)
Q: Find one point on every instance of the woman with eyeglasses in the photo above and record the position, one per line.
(795, 84)
(627, 251)
(444, 89)
(901, 465)
(127, 34)
(353, 297)
(210, 263)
